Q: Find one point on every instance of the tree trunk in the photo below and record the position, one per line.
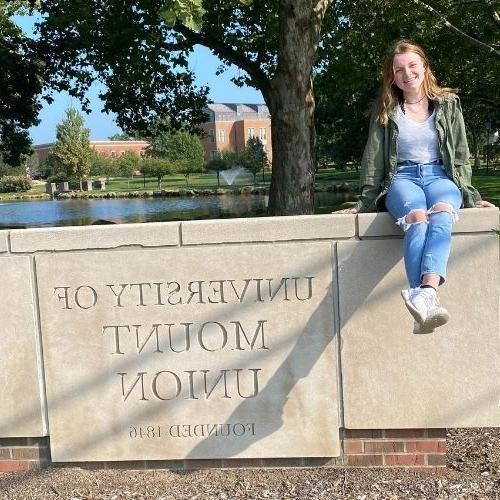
(291, 103)
(475, 147)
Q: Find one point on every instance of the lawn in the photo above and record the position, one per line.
(488, 184)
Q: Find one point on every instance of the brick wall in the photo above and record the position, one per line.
(418, 449)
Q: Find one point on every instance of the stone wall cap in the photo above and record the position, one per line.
(470, 220)
(256, 229)
(154, 234)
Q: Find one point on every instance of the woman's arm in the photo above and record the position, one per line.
(471, 196)
(372, 168)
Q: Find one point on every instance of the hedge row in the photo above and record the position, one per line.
(14, 184)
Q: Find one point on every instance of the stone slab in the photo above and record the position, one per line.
(304, 227)
(471, 220)
(281, 351)
(21, 413)
(395, 379)
(153, 234)
(4, 245)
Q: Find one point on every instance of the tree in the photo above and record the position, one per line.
(458, 11)
(122, 137)
(102, 165)
(183, 149)
(217, 165)
(140, 52)
(254, 156)
(20, 85)
(157, 167)
(72, 148)
(128, 163)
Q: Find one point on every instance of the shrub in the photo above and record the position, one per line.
(14, 184)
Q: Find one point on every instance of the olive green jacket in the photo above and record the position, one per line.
(378, 165)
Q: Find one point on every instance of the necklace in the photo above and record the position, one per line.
(416, 102)
(430, 106)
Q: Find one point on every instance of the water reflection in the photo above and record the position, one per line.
(122, 211)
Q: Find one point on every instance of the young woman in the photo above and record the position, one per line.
(416, 161)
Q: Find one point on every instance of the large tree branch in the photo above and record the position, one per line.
(223, 50)
(454, 29)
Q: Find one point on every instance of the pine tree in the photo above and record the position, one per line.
(72, 148)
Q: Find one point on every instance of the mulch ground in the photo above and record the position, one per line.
(473, 461)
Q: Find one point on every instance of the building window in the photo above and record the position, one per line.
(215, 154)
(251, 132)
(222, 135)
(211, 134)
(263, 134)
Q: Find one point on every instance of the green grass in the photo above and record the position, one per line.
(487, 184)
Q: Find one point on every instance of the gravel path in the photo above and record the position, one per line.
(473, 458)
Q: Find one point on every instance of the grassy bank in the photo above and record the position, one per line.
(488, 184)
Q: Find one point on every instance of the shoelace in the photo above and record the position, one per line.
(430, 299)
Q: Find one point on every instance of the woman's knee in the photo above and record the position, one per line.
(413, 217)
(443, 207)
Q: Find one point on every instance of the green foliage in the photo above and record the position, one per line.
(254, 157)
(122, 137)
(128, 163)
(157, 167)
(102, 165)
(72, 148)
(220, 163)
(186, 12)
(182, 148)
(20, 85)
(232, 158)
(129, 48)
(14, 184)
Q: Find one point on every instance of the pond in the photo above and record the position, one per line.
(22, 214)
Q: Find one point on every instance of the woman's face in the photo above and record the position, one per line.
(409, 71)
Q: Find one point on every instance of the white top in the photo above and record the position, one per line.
(417, 141)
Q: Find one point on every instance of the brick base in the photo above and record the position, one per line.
(415, 449)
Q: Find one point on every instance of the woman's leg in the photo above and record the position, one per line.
(443, 201)
(407, 203)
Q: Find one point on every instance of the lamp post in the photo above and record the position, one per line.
(487, 125)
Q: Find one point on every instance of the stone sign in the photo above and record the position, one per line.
(213, 352)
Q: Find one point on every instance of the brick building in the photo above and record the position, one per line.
(231, 125)
(113, 148)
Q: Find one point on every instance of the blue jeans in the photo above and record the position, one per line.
(420, 187)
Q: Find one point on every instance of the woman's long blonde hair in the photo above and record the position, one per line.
(391, 94)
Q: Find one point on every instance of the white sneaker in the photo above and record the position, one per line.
(423, 305)
(419, 329)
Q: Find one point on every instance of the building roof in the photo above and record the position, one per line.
(231, 107)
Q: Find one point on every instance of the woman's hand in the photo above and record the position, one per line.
(484, 204)
(351, 210)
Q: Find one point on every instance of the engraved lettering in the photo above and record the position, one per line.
(178, 386)
(119, 295)
(309, 288)
(260, 328)
(221, 329)
(117, 336)
(140, 376)
(255, 382)
(64, 296)
(93, 297)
